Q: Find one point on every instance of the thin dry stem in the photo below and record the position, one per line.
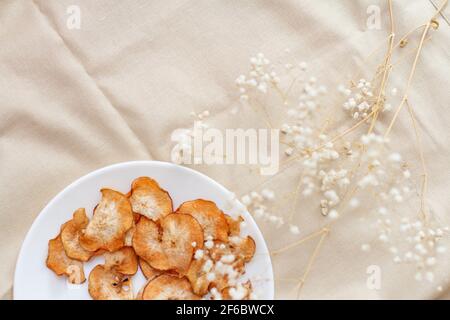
(311, 261)
(414, 66)
(386, 68)
(424, 188)
(408, 84)
(299, 242)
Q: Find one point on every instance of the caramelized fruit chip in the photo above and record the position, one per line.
(219, 250)
(234, 225)
(211, 218)
(61, 264)
(70, 236)
(149, 200)
(197, 276)
(245, 249)
(168, 246)
(207, 272)
(139, 229)
(148, 271)
(108, 284)
(112, 219)
(128, 240)
(166, 287)
(123, 260)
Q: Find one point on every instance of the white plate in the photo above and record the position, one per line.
(33, 280)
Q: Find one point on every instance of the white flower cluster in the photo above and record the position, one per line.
(408, 238)
(260, 77)
(307, 102)
(332, 182)
(412, 242)
(361, 169)
(361, 100)
(184, 137)
(320, 174)
(388, 173)
(257, 204)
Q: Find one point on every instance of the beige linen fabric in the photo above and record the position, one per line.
(72, 101)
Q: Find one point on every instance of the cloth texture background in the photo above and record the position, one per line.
(72, 101)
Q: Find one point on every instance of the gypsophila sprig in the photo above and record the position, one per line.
(345, 165)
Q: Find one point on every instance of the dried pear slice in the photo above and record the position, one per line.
(109, 284)
(197, 276)
(168, 246)
(166, 287)
(147, 243)
(149, 199)
(123, 260)
(61, 264)
(210, 217)
(234, 225)
(128, 240)
(70, 235)
(245, 248)
(112, 219)
(148, 271)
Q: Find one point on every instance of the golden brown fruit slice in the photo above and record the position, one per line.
(109, 284)
(169, 246)
(166, 287)
(234, 225)
(128, 240)
(112, 219)
(70, 236)
(245, 249)
(211, 218)
(235, 255)
(219, 250)
(123, 260)
(197, 276)
(61, 264)
(149, 199)
(148, 271)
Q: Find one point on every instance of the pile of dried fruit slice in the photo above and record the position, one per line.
(194, 252)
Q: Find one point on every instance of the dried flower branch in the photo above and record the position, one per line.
(340, 170)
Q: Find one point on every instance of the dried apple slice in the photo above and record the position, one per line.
(166, 287)
(128, 240)
(245, 248)
(234, 225)
(234, 255)
(149, 199)
(112, 219)
(198, 278)
(180, 232)
(109, 284)
(61, 264)
(168, 246)
(210, 271)
(147, 243)
(148, 271)
(211, 218)
(123, 260)
(70, 235)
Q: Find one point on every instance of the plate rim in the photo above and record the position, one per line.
(122, 164)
